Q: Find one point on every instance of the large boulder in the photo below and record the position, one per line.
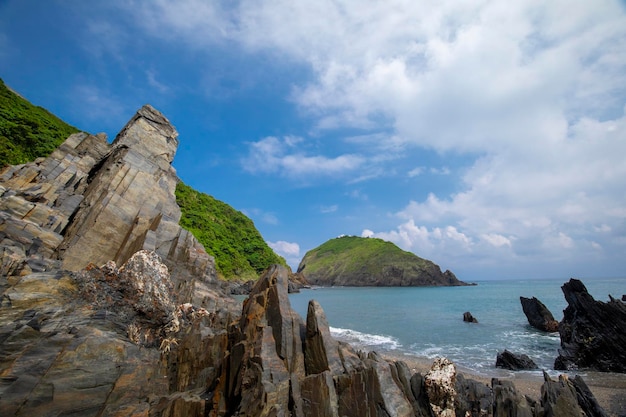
(538, 315)
(514, 362)
(593, 333)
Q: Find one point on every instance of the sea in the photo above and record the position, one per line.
(427, 322)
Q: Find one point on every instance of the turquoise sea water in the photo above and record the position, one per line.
(428, 321)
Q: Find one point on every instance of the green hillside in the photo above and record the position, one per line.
(227, 234)
(357, 261)
(27, 131)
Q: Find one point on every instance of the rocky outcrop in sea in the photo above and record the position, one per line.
(538, 315)
(109, 308)
(593, 333)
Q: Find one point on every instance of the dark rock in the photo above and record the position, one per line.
(473, 397)
(508, 402)
(564, 398)
(514, 362)
(538, 315)
(320, 348)
(297, 281)
(467, 317)
(241, 288)
(593, 333)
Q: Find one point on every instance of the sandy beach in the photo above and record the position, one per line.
(608, 388)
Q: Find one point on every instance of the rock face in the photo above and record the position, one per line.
(538, 315)
(514, 362)
(357, 261)
(91, 202)
(593, 333)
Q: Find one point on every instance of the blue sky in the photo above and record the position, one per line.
(487, 136)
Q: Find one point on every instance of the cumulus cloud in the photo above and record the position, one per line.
(532, 92)
(285, 248)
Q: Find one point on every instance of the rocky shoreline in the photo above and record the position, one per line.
(109, 308)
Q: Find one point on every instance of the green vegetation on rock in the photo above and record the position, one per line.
(357, 261)
(27, 131)
(227, 234)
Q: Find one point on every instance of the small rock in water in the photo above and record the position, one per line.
(467, 316)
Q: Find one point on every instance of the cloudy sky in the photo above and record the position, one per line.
(487, 136)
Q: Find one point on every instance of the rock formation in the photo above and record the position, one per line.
(514, 362)
(91, 202)
(593, 333)
(538, 315)
(469, 318)
(109, 308)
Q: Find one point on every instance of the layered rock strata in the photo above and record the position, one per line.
(93, 202)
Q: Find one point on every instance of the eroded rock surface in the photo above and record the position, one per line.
(593, 333)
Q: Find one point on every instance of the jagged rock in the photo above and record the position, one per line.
(92, 202)
(440, 385)
(320, 348)
(473, 397)
(514, 362)
(158, 336)
(241, 288)
(593, 333)
(508, 402)
(266, 352)
(467, 317)
(297, 281)
(538, 315)
(320, 396)
(566, 397)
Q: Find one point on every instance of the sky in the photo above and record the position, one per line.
(487, 136)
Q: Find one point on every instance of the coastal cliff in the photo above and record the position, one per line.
(370, 262)
(109, 308)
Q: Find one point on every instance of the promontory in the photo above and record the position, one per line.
(370, 262)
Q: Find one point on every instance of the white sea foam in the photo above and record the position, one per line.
(370, 341)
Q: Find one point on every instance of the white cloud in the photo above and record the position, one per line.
(287, 249)
(329, 209)
(415, 172)
(496, 239)
(279, 156)
(532, 92)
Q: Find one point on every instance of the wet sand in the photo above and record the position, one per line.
(608, 388)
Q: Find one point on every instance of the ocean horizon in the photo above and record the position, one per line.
(428, 322)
